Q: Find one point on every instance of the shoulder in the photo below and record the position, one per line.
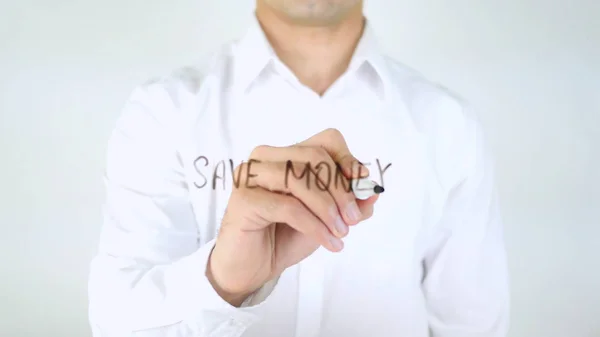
(188, 80)
(428, 102)
(176, 94)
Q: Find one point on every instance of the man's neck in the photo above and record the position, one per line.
(318, 56)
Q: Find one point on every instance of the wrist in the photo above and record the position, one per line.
(235, 298)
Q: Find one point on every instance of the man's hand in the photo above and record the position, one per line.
(273, 222)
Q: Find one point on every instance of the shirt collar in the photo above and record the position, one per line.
(254, 53)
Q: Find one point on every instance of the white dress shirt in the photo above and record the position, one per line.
(430, 261)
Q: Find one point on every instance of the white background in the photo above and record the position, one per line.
(532, 67)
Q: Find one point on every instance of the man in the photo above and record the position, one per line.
(204, 236)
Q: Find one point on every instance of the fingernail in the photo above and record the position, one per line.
(353, 212)
(340, 226)
(336, 243)
(360, 169)
(363, 171)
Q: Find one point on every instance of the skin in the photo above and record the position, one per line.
(318, 13)
(314, 38)
(274, 225)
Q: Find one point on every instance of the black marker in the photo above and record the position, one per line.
(365, 188)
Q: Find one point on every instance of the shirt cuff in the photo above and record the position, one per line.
(260, 295)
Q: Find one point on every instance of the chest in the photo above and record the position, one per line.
(375, 132)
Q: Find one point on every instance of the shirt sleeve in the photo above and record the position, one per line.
(466, 278)
(148, 278)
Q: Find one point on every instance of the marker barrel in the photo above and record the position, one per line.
(365, 188)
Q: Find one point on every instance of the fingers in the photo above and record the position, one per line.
(332, 141)
(367, 206)
(330, 177)
(300, 181)
(311, 184)
(268, 208)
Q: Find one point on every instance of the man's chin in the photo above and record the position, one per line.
(315, 13)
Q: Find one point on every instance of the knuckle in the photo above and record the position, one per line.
(291, 172)
(336, 136)
(299, 167)
(274, 172)
(318, 154)
(259, 151)
(348, 159)
(334, 133)
(283, 167)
